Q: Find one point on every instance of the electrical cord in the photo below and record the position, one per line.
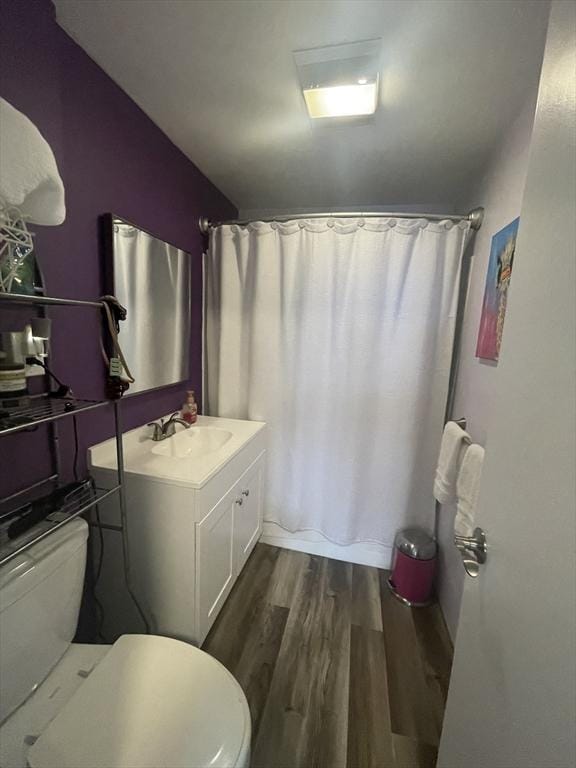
(97, 572)
(101, 537)
(75, 463)
(97, 603)
(63, 389)
(112, 328)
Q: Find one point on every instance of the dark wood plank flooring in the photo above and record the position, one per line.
(337, 672)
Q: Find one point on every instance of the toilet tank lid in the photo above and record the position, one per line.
(33, 566)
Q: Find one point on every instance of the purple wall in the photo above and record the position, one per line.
(112, 158)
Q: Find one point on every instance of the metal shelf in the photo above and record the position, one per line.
(33, 410)
(48, 301)
(10, 549)
(40, 409)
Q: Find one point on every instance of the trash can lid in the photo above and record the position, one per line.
(416, 543)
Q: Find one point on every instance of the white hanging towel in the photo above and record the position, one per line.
(454, 443)
(29, 177)
(468, 489)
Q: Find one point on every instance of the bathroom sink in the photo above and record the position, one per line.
(192, 443)
(189, 458)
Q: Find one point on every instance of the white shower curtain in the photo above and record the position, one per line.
(338, 334)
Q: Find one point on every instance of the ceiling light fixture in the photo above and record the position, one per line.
(341, 100)
(340, 80)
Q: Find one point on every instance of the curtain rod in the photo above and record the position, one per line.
(475, 217)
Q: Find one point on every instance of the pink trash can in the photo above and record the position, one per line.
(412, 579)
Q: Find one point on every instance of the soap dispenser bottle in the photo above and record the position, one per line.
(190, 408)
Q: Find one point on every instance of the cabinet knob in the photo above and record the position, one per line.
(246, 492)
(240, 500)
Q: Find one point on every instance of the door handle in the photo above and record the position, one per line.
(474, 551)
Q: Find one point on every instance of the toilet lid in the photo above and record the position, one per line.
(151, 702)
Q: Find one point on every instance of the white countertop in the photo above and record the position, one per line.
(191, 457)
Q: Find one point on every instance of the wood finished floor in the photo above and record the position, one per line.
(337, 672)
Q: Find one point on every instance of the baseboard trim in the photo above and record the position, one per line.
(363, 553)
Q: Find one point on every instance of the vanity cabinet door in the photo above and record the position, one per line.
(214, 563)
(247, 513)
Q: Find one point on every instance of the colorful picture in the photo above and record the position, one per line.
(496, 291)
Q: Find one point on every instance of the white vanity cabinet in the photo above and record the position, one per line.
(224, 539)
(194, 515)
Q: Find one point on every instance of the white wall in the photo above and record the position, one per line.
(500, 192)
(512, 702)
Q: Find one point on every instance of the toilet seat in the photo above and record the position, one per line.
(152, 702)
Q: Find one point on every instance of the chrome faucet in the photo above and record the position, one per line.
(164, 429)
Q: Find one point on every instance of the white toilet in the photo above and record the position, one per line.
(144, 702)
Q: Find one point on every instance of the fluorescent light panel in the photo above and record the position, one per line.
(340, 80)
(342, 100)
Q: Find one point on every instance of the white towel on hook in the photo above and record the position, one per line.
(454, 442)
(29, 178)
(468, 489)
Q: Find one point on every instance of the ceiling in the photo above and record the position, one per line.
(218, 77)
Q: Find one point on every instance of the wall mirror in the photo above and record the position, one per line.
(151, 278)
